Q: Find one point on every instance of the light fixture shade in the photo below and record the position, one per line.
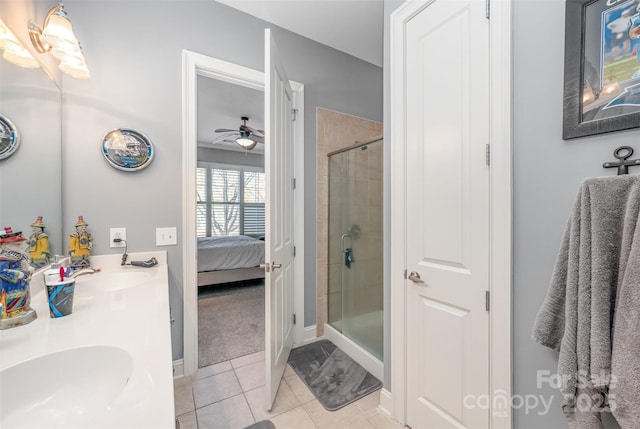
(19, 56)
(75, 67)
(59, 34)
(6, 35)
(14, 52)
(246, 143)
(4, 42)
(6, 38)
(62, 54)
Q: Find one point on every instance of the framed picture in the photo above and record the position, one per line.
(601, 67)
(9, 137)
(127, 150)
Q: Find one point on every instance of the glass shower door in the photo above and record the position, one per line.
(355, 245)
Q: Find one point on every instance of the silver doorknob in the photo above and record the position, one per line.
(415, 277)
(270, 267)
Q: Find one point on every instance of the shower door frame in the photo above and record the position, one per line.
(344, 204)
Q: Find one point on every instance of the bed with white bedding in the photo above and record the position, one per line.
(226, 259)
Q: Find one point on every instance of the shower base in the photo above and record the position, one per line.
(368, 326)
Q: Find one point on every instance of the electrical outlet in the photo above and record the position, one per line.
(120, 233)
(166, 236)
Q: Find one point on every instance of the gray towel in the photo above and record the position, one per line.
(593, 268)
(624, 391)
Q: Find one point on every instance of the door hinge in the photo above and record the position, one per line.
(487, 154)
(294, 114)
(293, 183)
(405, 273)
(487, 300)
(294, 319)
(488, 9)
(294, 250)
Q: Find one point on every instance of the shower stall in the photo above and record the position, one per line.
(355, 295)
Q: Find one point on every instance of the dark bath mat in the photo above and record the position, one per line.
(333, 377)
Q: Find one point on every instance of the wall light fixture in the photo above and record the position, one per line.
(57, 37)
(14, 52)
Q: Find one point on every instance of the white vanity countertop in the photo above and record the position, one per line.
(108, 311)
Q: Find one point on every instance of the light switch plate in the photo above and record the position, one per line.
(166, 236)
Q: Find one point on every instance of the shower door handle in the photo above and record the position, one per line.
(342, 242)
(415, 277)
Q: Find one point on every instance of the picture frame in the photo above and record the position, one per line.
(127, 150)
(601, 67)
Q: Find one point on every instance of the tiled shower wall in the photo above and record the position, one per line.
(335, 131)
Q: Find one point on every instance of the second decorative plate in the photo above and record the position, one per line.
(127, 150)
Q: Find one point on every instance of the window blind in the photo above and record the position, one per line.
(230, 202)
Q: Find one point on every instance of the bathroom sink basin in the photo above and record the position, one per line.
(115, 280)
(69, 388)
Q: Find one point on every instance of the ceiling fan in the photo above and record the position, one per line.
(247, 137)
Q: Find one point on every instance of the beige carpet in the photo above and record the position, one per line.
(230, 322)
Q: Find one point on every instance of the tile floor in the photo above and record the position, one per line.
(231, 395)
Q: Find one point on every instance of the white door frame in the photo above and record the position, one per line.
(194, 65)
(500, 209)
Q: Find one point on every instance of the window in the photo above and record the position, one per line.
(230, 201)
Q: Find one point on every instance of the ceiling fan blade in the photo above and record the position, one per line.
(257, 138)
(218, 141)
(225, 130)
(225, 137)
(251, 130)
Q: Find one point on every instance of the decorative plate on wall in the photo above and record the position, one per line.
(9, 137)
(127, 150)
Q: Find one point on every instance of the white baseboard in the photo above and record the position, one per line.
(309, 335)
(178, 368)
(386, 402)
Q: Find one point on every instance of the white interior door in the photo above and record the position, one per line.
(279, 226)
(447, 215)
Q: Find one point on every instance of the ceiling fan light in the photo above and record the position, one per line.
(246, 143)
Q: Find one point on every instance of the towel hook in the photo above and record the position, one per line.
(623, 153)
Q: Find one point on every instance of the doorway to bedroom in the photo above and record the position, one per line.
(197, 70)
(230, 221)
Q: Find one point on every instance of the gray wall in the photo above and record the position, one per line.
(136, 83)
(547, 172)
(230, 157)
